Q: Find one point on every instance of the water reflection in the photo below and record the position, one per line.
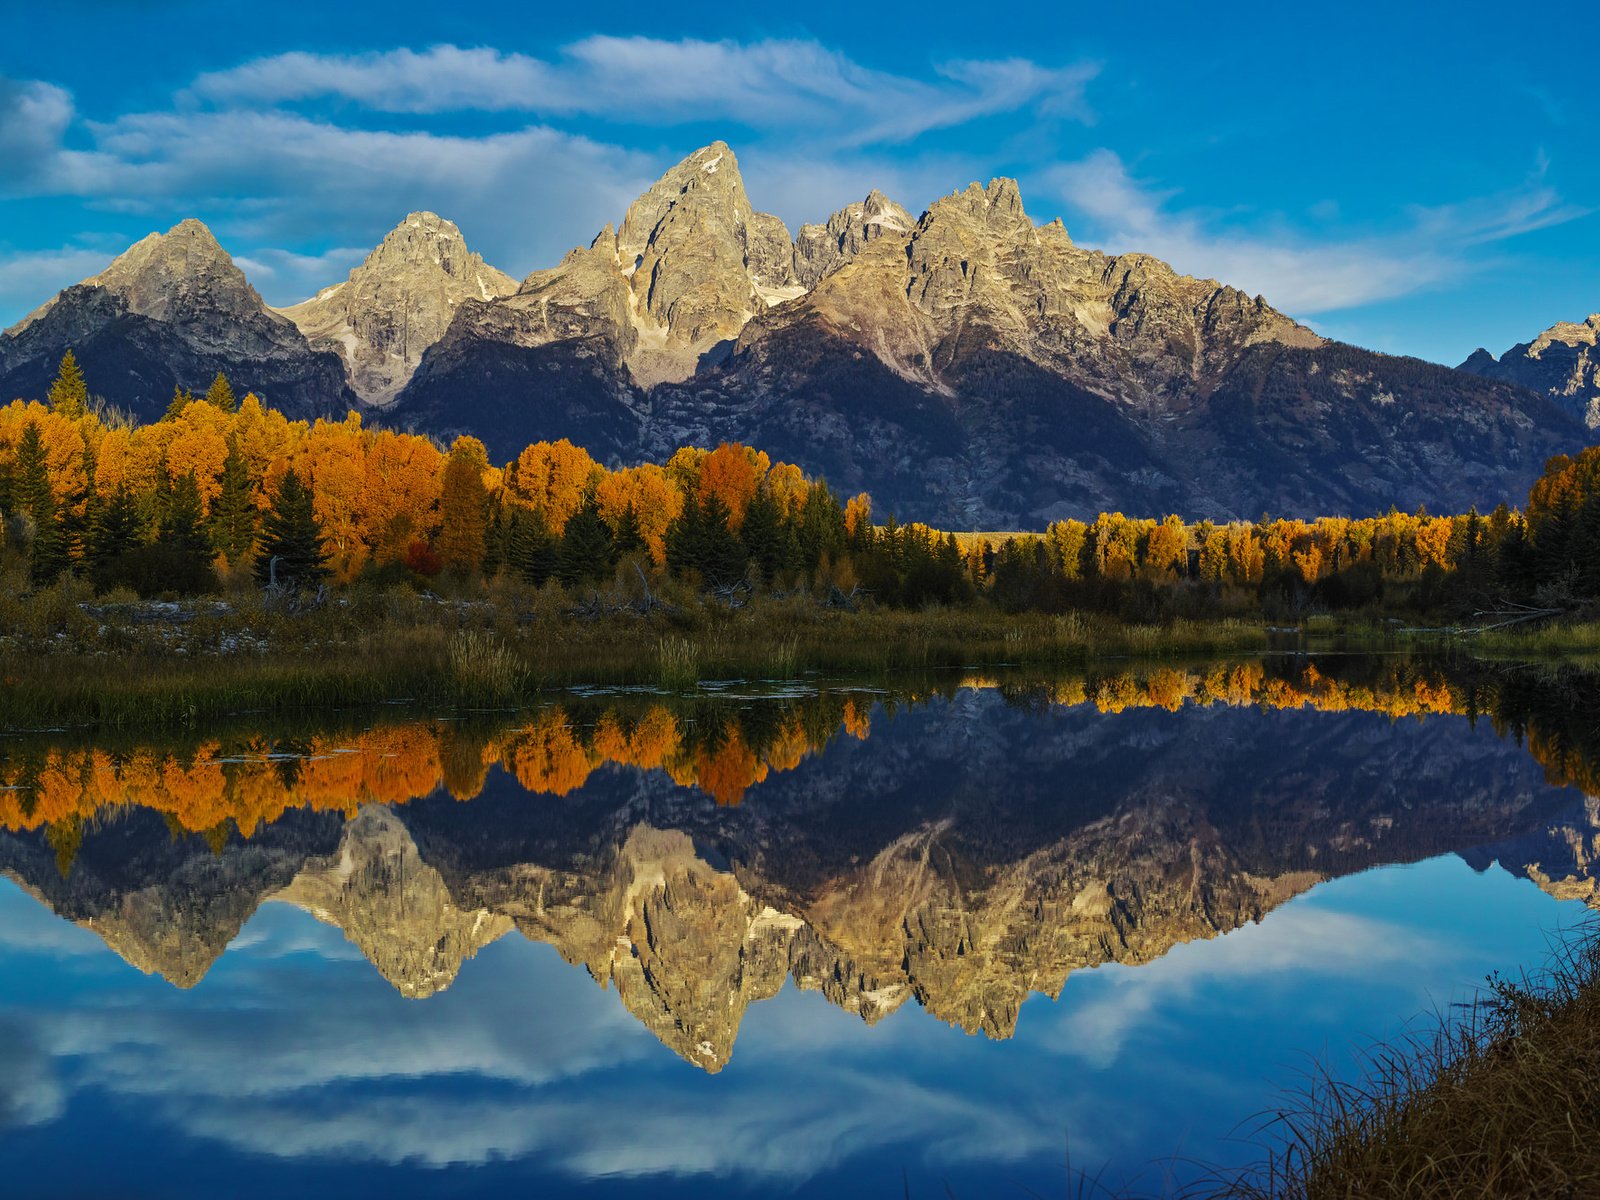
(943, 851)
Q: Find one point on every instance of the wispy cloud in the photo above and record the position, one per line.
(1296, 273)
(774, 83)
(29, 278)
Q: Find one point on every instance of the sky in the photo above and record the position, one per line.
(1412, 184)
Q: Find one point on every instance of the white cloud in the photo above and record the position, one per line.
(1296, 274)
(1298, 940)
(783, 83)
(28, 278)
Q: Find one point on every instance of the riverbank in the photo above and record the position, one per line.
(67, 659)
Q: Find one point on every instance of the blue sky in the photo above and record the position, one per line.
(1408, 183)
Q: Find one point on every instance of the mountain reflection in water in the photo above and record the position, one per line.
(959, 846)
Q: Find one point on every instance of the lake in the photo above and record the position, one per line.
(959, 936)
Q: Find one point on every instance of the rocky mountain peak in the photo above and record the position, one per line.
(820, 249)
(397, 303)
(707, 183)
(181, 274)
(1563, 362)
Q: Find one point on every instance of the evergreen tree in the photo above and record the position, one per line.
(69, 394)
(762, 535)
(182, 397)
(722, 559)
(220, 394)
(496, 543)
(628, 541)
(587, 550)
(183, 537)
(31, 494)
(686, 538)
(532, 547)
(821, 527)
(113, 535)
(291, 538)
(233, 513)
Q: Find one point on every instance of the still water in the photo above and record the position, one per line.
(968, 939)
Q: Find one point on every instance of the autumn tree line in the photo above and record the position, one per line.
(222, 490)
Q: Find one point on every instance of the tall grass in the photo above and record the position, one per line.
(678, 664)
(66, 657)
(483, 669)
(1501, 1099)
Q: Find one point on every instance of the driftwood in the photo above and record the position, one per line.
(848, 601)
(646, 606)
(1516, 614)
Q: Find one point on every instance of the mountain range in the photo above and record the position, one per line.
(966, 366)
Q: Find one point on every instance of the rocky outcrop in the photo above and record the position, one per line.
(397, 303)
(172, 311)
(1563, 363)
(818, 249)
(979, 371)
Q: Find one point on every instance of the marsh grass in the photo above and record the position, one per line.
(483, 669)
(64, 660)
(1565, 639)
(678, 665)
(1501, 1098)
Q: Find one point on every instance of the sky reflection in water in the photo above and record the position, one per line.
(295, 1067)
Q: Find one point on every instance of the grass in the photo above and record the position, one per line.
(1502, 1099)
(66, 657)
(1563, 639)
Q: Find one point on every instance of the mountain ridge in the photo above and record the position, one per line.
(966, 367)
(1563, 363)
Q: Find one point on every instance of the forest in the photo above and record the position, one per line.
(225, 493)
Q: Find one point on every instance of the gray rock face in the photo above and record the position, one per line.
(818, 249)
(173, 310)
(1563, 362)
(398, 303)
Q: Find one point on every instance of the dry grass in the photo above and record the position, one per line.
(1501, 1100)
(483, 670)
(116, 665)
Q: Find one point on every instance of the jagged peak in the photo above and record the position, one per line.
(709, 179)
(997, 202)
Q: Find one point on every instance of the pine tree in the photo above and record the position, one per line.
(587, 550)
(220, 394)
(291, 538)
(182, 397)
(31, 494)
(69, 394)
(627, 540)
(184, 541)
(496, 543)
(114, 533)
(233, 513)
(722, 561)
(686, 538)
(762, 535)
(532, 548)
